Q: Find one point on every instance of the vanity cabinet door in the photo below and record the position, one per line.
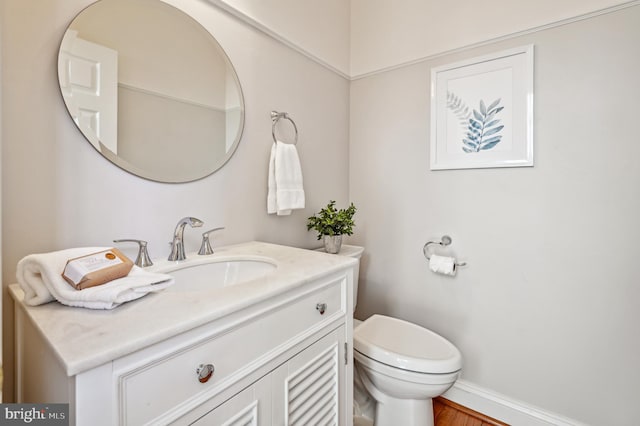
(305, 390)
(250, 407)
(310, 387)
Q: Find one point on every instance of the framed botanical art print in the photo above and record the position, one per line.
(482, 112)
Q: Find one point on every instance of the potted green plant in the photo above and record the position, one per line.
(331, 224)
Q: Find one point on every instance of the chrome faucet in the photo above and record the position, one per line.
(143, 260)
(205, 247)
(177, 246)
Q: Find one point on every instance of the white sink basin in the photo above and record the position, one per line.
(218, 273)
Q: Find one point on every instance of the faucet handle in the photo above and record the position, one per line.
(143, 259)
(205, 248)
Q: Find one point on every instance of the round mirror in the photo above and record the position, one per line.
(151, 89)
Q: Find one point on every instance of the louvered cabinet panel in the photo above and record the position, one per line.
(312, 391)
(308, 388)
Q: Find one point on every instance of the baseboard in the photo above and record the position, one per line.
(504, 408)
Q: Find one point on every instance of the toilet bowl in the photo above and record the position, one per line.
(399, 367)
(403, 366)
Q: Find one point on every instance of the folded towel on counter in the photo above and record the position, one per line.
(285, 190)
(40, 276)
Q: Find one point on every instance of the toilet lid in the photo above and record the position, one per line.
(405, 345)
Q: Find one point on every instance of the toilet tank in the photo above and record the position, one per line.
(356, 253)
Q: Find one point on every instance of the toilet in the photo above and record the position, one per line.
(399, 365)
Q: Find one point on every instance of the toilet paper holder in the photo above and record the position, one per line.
(444, 241)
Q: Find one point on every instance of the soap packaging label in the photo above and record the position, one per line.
(96, 268)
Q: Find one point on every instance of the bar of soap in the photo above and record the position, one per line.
(96, 268)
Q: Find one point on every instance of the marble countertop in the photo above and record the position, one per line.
(84, 338)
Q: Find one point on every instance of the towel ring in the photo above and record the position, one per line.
(275, 117)
(444, 241)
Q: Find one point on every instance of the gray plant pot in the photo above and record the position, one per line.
(332, 243)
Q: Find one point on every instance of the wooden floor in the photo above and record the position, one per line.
(448, 413)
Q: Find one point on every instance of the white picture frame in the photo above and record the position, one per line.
(482, 112)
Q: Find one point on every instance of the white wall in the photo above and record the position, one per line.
(321, 28)
(58, 192)
(387, 33)
(547, 310)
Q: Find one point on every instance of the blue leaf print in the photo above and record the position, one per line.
(469, 144)
(490, 143)
(483, 109)
(475, 124)
(459, 109)
(482, 129)
(494, 104)
(493, 131)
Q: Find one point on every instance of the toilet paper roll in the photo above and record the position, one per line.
(442, 265)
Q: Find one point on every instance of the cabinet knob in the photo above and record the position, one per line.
(205, 371)
(321, 307)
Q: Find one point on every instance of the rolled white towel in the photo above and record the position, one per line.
(40, 276)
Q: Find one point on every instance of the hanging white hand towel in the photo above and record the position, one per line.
(40, 276)
(285, 190)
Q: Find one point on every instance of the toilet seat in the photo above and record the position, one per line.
(403, 345)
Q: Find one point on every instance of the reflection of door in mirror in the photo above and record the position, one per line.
(179, 105)
(89, 83)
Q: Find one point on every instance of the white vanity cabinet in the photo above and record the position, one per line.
(281, 359)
